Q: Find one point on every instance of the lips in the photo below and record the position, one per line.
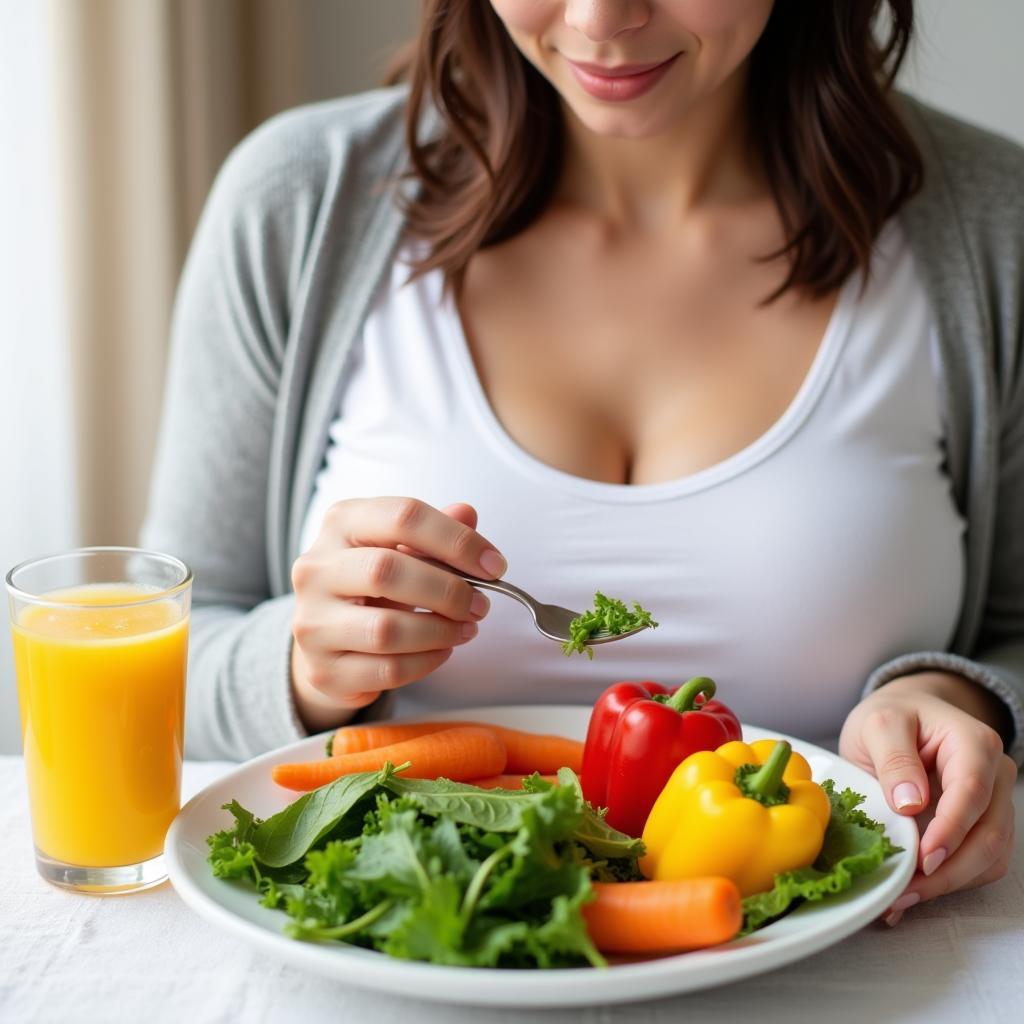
(619, 83)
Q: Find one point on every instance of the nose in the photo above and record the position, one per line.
(601, 20)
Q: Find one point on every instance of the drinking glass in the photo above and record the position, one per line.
(100, 646)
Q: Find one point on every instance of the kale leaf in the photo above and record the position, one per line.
(433, 870)
(854, 845)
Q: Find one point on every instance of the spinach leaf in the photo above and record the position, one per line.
(603, 841)
(495, 810)
(285, 837)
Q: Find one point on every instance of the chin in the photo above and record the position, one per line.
(620, 123)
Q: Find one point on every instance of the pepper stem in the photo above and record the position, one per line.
(764, 784)
(683, 698)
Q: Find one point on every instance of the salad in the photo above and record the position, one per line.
(472, 845)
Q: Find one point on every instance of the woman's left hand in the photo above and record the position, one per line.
(905, 732)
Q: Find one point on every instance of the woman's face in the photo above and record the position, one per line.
(633, 68)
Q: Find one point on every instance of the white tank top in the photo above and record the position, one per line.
(786, 572)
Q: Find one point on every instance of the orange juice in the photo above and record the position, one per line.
(102, 694)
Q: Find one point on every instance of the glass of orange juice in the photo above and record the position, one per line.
(100, 645)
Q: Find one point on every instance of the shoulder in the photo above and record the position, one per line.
(289, 205)
(966, 224)
(302, 151)
(983, 170)
(967, 230)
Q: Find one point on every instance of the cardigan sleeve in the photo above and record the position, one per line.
(208, 494)
(984, 219)
(288, 199)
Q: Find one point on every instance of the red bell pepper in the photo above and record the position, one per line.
(638, 733)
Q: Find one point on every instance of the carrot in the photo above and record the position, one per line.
(466, 752)
(353, 739)
(663, 917)
(527, 751)
(531, 752)
(506, 781)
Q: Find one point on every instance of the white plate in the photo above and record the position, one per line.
(807, 930)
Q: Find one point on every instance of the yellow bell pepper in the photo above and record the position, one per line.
(743, 811)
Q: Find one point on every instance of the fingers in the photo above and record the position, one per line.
(998, 869)
(396, 577)
(462, 512)
(968, 765)
(350, 674)
(388, 522)
(376, 630)
(345, 654)
(890, 737)
(983, 857)
(356, 626)
(989, 835)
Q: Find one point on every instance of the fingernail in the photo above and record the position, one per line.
(933, 860)
(469, 630)
(906, 794)
(907, 900)
(893, 918)
(479, 606)
(492, 563)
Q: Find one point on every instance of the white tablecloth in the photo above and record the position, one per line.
(147, 957)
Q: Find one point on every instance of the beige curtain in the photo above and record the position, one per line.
(151, 95)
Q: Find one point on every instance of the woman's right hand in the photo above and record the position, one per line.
(355, 628)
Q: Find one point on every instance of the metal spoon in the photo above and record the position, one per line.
(550, 619)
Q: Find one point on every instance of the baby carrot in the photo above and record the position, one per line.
(663, 917)
(506, 781)
(465, 752)
(527, 751)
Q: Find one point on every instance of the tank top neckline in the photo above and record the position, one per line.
(772, 440)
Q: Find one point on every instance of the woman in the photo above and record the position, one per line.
(700, 314)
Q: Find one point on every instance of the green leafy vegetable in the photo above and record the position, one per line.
(448, 873)
(433, 870)
(496, 810)
(592, 831)
(285, 837)
(607, 616)
(854, 845)
(232, 854)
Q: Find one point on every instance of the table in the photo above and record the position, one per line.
(147, 957)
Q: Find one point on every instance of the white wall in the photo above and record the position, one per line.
(354, 41)
(967, 59)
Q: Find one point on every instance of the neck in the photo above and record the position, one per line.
(656, 181)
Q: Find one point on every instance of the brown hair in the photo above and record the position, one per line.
(837, 157)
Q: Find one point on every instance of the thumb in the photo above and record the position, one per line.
(890, 739)
(464, 513)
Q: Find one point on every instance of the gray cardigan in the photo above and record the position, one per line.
(295, 237)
